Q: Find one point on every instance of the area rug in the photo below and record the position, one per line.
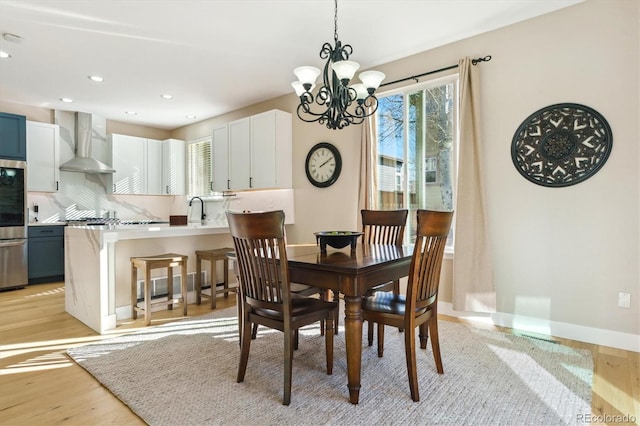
(185, 373)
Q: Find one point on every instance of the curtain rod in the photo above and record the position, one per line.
(415, 77)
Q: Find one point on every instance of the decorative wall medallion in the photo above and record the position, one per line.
(561, 145)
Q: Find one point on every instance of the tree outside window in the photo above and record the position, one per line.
(416, 142)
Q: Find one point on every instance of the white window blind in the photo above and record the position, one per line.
(199, 171)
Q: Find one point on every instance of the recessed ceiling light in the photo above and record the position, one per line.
(96, 78)
(4, 54)
(167, 96)
(13, 38)
(67, 100)
(191, 117)
(131, 112)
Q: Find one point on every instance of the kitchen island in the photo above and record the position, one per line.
(97, 264)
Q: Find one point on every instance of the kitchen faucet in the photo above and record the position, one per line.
(202, 213)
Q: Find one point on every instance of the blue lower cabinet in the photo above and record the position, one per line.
(46, 254)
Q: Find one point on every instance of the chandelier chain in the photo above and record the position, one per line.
(335, 21)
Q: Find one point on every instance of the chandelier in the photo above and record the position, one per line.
(338, 103)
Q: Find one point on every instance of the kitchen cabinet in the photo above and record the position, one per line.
(173, 167)
(46, 253)
(155, 185)
(258, 153)
(220, 159)
(239, 154)
(43, 157)
(147, 166)
(13, 136)
(129, 159)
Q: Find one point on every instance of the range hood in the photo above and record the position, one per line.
(83, 162)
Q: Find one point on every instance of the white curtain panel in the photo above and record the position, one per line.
(473, 286)
(368, 185)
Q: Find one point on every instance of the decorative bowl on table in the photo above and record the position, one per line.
(337, 239)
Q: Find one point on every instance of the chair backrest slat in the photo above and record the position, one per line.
(262, 259)
(383, 226)
(426, 264)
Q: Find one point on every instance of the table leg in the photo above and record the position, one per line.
(353, 339)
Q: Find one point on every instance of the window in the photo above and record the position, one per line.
(199, 170)
(417, 138)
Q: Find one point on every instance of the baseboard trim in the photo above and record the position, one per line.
(539, 326)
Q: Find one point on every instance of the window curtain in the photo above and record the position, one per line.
(473, 286)
(368, 185)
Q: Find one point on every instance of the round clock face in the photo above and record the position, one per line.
(323, 165)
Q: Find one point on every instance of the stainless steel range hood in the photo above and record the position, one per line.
(83, 161)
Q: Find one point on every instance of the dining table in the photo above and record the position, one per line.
(352, 273)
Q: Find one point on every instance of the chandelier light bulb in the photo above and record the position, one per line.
(371, 79)
(345, 70)
(361, 91)
(307, 75)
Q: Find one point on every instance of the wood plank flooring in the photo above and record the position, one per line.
(40, 385)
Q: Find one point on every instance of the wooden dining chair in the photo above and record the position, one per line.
(265, 292)
(383, 227)
(418, 307)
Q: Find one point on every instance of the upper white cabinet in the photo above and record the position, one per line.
(258, 153)
(43, 156)
(220, 159)
(240, 154)
(129, 159)
(173, 167)
(271, 150)
(147, 166)
(155, 184)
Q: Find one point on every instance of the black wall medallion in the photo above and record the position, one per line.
(561, 145)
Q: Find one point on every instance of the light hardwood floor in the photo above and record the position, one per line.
(40, 385)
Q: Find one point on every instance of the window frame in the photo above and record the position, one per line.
(406, 91)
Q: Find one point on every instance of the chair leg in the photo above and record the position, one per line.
(296, 337)
(396, 292)
(412, 371)
(170, 287)
(198, 280)
(370, 326)
(134, 291)
(435, 344)
(380, 340)
(245, 344)
(423, 334)
(254, 332)
(183, 287)
(328, 343)
(147, 296)
(336, 298)
(288, 366)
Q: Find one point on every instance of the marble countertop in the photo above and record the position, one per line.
(47, 224)
(112, 233)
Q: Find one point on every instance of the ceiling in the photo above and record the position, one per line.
(213, 56)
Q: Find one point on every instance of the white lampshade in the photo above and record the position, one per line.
(361, 91)
(371, 79)
(345, 69)
(297, 86)
(307, 75)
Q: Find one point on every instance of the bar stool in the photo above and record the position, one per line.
(213, 256)
(148, 263)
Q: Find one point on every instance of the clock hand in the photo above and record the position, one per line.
(324, 163)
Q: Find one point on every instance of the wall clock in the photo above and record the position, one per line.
(561, 145)
(323, 165)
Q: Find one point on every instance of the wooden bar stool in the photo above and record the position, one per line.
(148, 263)
(213, 256)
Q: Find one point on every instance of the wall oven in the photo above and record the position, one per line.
(13, 224)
